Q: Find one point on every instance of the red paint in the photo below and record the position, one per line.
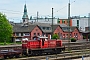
(42, 43)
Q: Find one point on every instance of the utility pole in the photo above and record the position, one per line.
(52, 23)
(69, 25)
(37, 16)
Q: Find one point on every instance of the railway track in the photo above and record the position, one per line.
(76, 50)
(11, 46)
(77, 45)
(64, 55)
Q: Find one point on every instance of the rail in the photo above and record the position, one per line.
(76, 50)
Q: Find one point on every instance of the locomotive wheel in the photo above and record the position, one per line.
(11, 56)
(5, 57)
(17, 56)
(39, 53)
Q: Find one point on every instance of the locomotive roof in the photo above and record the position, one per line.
(42, 37)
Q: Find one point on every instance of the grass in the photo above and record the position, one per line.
(8, 43)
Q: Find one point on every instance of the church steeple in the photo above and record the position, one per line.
(25, 16)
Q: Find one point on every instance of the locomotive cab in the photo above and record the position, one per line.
(43, 41)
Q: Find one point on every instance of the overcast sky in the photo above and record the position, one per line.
(13, 9)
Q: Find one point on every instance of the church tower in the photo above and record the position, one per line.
(25, 16)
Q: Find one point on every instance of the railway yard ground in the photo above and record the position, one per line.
(62, 56)
(73, 51)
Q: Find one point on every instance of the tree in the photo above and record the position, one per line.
(55, 36)
(5, 29)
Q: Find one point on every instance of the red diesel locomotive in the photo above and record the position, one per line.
(41, 45)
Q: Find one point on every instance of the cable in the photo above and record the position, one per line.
(14, 12)
(62, 8)
(10, 10)
(19, 12)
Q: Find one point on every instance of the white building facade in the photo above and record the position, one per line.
(81, 22)
(44, 20)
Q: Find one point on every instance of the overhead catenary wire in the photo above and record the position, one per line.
(61, 8)
(64, 6)
(19, 12)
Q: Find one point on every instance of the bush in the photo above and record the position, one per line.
(73, 40)
(55, 36)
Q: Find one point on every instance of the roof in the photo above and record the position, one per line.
(20, 28)
(28, 28)
(43, 25)
(85, 32)
(66, 29)
(54, 27)
(47, 31)
(62, 25)
(25, 12)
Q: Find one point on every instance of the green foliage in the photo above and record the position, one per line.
(55, 36)
(73, 40)
(88, 36)
(9, 43)
(84, 37)
(5, 29)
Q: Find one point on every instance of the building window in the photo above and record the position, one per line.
(34, 34)
(38, 34)
(67, 35)
(58, 21)
(26, 34)
(21, 34)
(46, 35)
(23, 20)
(70, 35)
(63, 35)
(43, 34)
(44, 28)
(17, 34)
(48, 28)
(76, 34)
(60, 35)
(68, 21)
(77, 23)
(63, 21)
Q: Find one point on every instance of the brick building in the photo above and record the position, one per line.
(65, 21)
(39, 29)
(28, 29)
